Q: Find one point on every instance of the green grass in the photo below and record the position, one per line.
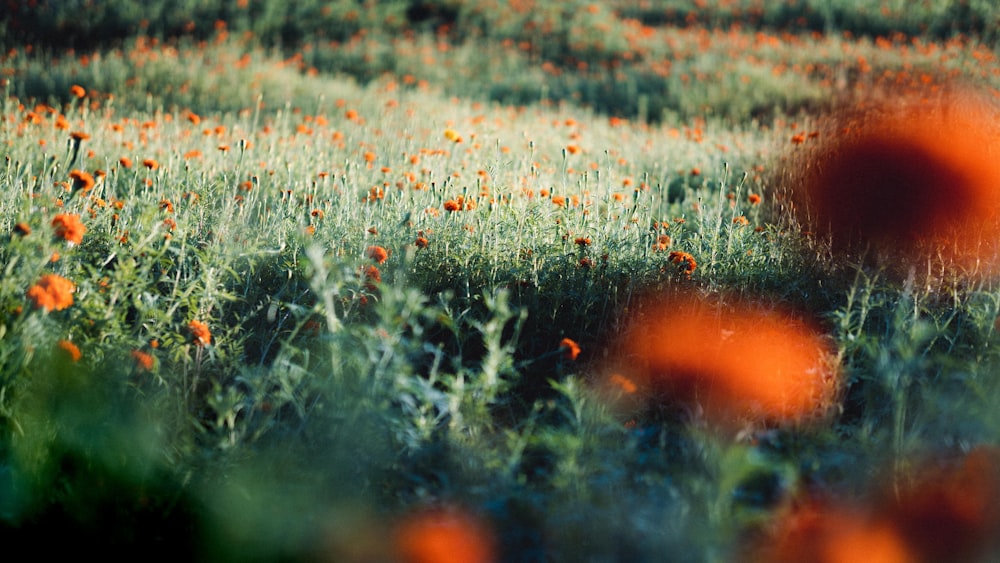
(329, 404)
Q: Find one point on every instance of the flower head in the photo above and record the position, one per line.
(377, 253)
(570, 348)
(68, 226)
(734, 361)
(69, 350)
(443, 536)
(143, 360)
(911, 179)
(52, 292)
(200, 333)
(82, 181)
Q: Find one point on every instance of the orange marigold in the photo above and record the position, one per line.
(570, 348)
(443, 536)
(52, 292)
(199, 331)
(77, 91)
(69, 349)
(377, 253)
(22, 229)
(82, 181)
(684, 259)
(69, 227)
(151, 163)
(143, 360)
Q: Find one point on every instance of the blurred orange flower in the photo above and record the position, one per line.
(914, 177)
(570, 348)
(82, 181)
(52, 292)
(69, 227)
(143, 360)
(69, 349)
(443, 536)
(737, 362)
(377, 253)
(200, 333)
(77, 91)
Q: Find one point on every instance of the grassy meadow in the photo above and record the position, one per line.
(410, 280)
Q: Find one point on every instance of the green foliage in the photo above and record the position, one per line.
(483, 150)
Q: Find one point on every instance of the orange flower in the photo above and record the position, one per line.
(833, 534)
(69, 227)
(143, 360)
(421, 242)
(684, 259)
(582, 241)
(79, 136)
(443, 536)
(452, 136)
(734, 363)
(753, 199)
(662, 243)
(912, 178)
(125, 161)
(377, 253)
(77, 91)
(570, 348)
(371, 276)
(22, 229)
(69, 349)
(200, 333)
(52, 292)
(150, 164)
(82, 181)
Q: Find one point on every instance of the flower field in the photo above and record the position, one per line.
(479, 281)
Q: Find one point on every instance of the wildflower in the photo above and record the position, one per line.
(69, 227)
(572, 149)
(753, 199)
(79, 136)
(624, 384)
(741, 221)
(22, 229)
(421, 242)
(662, 243)
(82, 181)
(77, 91)
(684, 259)
(559, 201)
(52, 292)
(570, 348)
(730, 359)
(377, 253)
(452, 205)
(125, 162)
(371, 274)
(443, 536)
(916, 180)
(452, 136)
(69, 349)
(143, 361)
(582, 241)
(150, 164)
(200, 333)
